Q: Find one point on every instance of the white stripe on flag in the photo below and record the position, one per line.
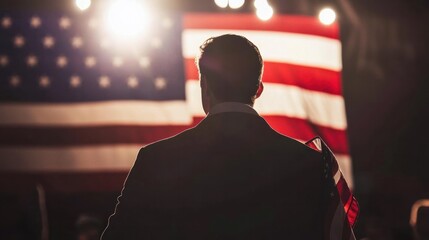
(69, 159)
(286, 100)
(99, 113)
(345, 165)
(294, 48)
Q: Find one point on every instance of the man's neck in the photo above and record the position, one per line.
(232, 107)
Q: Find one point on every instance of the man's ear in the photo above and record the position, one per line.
(260, 90)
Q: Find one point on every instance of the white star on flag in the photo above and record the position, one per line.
(118, 61)
(32, 60)
(160, 83)
(144, 62)
(62, 61)
(35, 22)
(77, 42)
(44, 81)
(19, 41)
(167, 23)
(132, 82)
(75, 81)
(15, 81)
(92, 23)
(6, 22)
(156, 42)
(105, 43)
(104, 82)
(64, 22)
(90, 61)
(48, 41)
(4, 60)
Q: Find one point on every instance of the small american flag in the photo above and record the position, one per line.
(76, 103)
(342, 208)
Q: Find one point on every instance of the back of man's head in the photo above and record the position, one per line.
(232, 66)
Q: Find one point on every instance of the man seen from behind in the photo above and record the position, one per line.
(230, 177)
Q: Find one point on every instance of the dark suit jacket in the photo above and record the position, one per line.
(230, 177)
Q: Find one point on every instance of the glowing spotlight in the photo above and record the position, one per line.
(264, 13)
(221, 3)
(127, 18)
(83, 4)
(327, 16)
(235, 4)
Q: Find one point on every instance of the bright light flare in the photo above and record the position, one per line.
(264, 13)
(127, 18)
(327, 16)
(221, 3)
(83, 4)
(235, 4)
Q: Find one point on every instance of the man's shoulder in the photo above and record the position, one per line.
(165, 152)
(163, 145)
(292, 143)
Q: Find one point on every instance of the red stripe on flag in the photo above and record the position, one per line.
(301, 129)
(77, 136)
(291, 24)
(191, 70)
(350, 204)
(353, 211)
(309, 78)
(345, 194)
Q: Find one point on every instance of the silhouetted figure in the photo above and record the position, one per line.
(230, 177)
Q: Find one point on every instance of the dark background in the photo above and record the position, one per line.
(386, 91)
(385, 88)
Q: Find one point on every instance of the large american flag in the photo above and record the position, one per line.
(77, 104)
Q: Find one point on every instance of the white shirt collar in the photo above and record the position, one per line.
(232, 107)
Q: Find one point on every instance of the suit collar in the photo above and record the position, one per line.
(232, 107)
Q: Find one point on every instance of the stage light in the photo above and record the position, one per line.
(83, 4)
(264, 13)
(221, 3)
(127, 18)
(235, 4)
(327, 16)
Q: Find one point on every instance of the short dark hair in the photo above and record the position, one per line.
(232, 67)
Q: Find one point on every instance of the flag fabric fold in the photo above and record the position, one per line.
(341, 206)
